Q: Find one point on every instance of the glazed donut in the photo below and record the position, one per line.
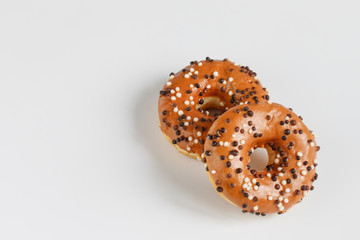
(292, 157)
(188, 95)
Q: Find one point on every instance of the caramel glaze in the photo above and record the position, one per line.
(292, 157)
(214, 83)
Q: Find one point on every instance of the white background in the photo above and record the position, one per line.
(81, 155)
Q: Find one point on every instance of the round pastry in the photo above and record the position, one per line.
(291, 148)
(194, 97)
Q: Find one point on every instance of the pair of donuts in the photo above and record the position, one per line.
(244, 120)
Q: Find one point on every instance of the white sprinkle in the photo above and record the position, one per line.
(178, 95)
(180, 112)
(315, 161)
(172, 91)
(191, 69)
(270, 198)
(168, 83)
(171, 76)
(216, 73)
(226, 108)
(279, 168)
(299, 164)
(303, 172)
(186, 123)
(208, 86)
(224, 82)
(190, 138)
(281, 208)
(198, 133)
(253, 181)
(281, 198)
(190, 73)
(244, 185)
(176, 109)
(200, 64)
(256, 187)
(299, 154)
(226, 144)
(246, 179)
(186, 76)
(279, 205)
(287, 189)
(256, 208)
(268, 174)
(234, 135)
(230, 93)
(192, 103)
(281, 174)
(250, 131)
(277, 155)
(221, 104)
(276, 160)
(231, 79)
(231, 157)
(173, 98)
(196, 141)
(213, 171)
(202, 155)
(244, 125)
(191, 85)
(283, 182)
(188, 148)
(205, 165)
(250, 197)
(188, 118)
(191, 98)
(312, 144)
(286, 200)
(187, 102)
(177, 89)
(196, 119)
(242, 141)
(196, 72)
(287, 118)
(221, 143)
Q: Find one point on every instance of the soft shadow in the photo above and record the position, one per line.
(179, 179)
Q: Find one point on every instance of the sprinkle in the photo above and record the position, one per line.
(268, 174)
(287, 118)
(188, 118)
(287, 190)
(178, 95)
(196, 141)
(270, 198)
(200, 64)
(177, 89)
(190, 138)
(196, 119)
(213, 171)
(281, 198)
(253, 181)
(191, 69)
(299, 154)
(186, 76)
(250, 197)
(276, 160)
(244, 185)
(180, 112)
(277, 155)
(312, 144)
(230, 93)
(188, 148)
(226, 144)
(246, 179)
(234, 135)
(281, 208)
(172, 91)
(215, 73)
(192, 103)
(168, 83)
(208, 86)
(221, 143)
(196, 72)
(279, 168)
(242, 141)
(256, 208)
(283, 182)
(173, 98)
(231, 157)
(256, 187)
(187, 102)
(286, 200)
(299, 164)
(231, 79)
(221, 104)
(191, 85)
(281, 174)
(303, 172)
(198, 133)
(250, 131)
(176, 109)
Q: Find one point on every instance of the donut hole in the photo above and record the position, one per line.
(259, 159)
(212, 106)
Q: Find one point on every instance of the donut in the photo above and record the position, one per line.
(194, 97)
(291, 148)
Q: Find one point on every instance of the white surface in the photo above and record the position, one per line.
(80, 151)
